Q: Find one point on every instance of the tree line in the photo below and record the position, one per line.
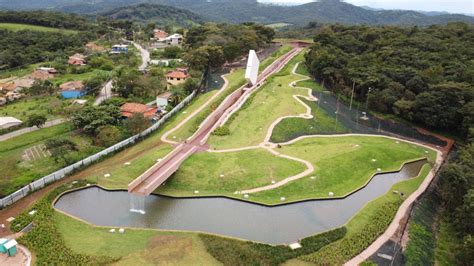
(423, 75)
(212, 45)
(47, 19)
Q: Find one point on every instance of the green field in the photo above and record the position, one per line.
(143, 247)
(45, 105)
(340, 166)
(223, 174)
(321, 123)
(16, 171)
(19, 27)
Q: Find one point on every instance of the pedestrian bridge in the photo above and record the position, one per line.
(150, 180)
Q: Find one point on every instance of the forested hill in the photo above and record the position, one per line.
(46, 19)
(164, 15)
(423, 75)
(237, 11)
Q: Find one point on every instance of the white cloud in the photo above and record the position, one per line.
(453, 6)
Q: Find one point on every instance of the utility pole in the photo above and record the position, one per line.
(352, 95)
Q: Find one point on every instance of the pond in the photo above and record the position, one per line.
(284, 224)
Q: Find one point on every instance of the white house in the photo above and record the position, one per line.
(8, 121)
(162, 100)
(175, 39)
(165, 62)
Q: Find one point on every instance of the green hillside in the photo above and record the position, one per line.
(165, 15)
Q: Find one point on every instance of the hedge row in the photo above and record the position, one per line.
(46, 241)
(236, 252)
(354, 243)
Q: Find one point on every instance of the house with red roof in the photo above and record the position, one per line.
(129, 109)
(176, 77)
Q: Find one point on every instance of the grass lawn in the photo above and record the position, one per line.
(321, 123)
(274, 99)
(366, 225)
(135, 247)
(23, 108)
(60, 79)
(340, 166)
(18, 27)
(16, 171)
(241, 170)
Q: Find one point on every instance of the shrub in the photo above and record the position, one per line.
(221, 131)
(355, 242)
(236, 252)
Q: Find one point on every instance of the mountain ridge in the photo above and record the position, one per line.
(238, 11)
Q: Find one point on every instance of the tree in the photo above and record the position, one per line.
(137, 123)
(178, 93)
(108, 136)
(36, 120)
(41, 88)
(172, 52)
(60, 148)
(91, 118)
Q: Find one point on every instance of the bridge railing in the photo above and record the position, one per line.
(64, 172)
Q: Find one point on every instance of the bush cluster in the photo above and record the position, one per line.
(236, 252)
(354, 243)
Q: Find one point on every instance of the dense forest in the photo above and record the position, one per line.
(424, 75)
(214, 44)
(29, 46)
(159, 14)
(239, 11)
(47, 19)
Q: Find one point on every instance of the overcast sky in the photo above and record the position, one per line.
(452, 6)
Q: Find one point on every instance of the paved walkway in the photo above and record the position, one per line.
(22, 131)
(105, 93)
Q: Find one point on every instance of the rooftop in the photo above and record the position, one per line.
(177, 74)
(72, 86)
(9, 119)
(128, 109)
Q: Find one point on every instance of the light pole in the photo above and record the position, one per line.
(352, 95)
(364, 117)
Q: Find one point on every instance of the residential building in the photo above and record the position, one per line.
(50, 70)
(165, 62)
(40, 74)
(8, 121)
(176, 77)
(174, 40)
(128, 109)
(13, 95)
(8, 87)
(72, 89)
(23, 83)
(163, 100)
(119, 49)
(160, 35)
(77, 60)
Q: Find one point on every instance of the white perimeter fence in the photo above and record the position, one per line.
(44, 181)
